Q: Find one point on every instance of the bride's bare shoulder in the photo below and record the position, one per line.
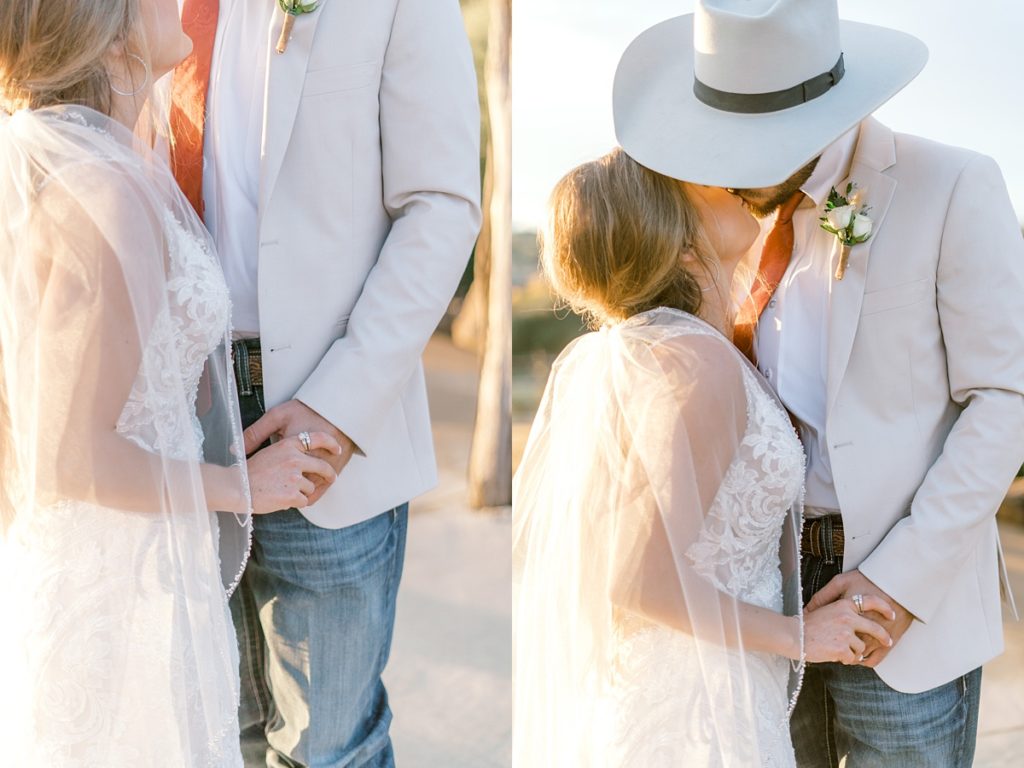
(705, 357)
(91, 228)
(95, 186)
(93, 197)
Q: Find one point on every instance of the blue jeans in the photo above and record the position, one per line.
(314, 615)
(849, 711)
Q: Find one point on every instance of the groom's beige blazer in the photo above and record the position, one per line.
(368, 211)
(925, 420)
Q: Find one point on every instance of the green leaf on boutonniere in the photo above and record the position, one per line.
(291, 9)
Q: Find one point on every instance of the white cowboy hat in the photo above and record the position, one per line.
(743, 93)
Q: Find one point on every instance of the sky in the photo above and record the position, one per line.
(564, 54)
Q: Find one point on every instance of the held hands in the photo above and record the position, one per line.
(835, 631)
(283, 475)
(894, 618)
(290, 419)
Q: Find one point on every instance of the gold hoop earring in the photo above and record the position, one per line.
(142, 87)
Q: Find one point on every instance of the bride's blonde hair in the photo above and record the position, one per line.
(56, 51)
(615, 241)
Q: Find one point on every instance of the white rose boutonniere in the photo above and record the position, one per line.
(848, 220)
(292, 8)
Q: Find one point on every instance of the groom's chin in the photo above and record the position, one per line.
(764, 201)
(761, 203)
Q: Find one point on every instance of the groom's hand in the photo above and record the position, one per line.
(292, 418)
(845, 586)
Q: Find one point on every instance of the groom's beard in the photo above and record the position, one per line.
(764, 201)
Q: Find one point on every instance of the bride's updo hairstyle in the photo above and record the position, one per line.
(615, 241)
(56, 51)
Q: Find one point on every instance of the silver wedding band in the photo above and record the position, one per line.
(858, 601)
(307, 443)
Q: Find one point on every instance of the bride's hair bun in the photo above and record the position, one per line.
(615, 239)
(56, 51)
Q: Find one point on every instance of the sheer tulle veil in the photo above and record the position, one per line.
(91, 216)
(637, 427)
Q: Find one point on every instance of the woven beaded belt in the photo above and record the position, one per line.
(248, 365)
(823, 537)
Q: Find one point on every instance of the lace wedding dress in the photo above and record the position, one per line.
(655, 716)
(690, 420)
(121, 643)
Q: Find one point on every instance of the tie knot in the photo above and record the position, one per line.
(788, 208)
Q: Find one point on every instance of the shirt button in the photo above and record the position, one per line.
(768, 374)
(773, 302)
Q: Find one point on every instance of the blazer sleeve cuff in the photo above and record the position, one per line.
(911, 581)
(347, 401)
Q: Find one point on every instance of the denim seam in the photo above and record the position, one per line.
(391, 607)
(392, 593)
(831, 748)
(962, 740)
(253, 667)
(816, 578)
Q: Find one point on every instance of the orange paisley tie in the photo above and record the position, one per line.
(188, 98)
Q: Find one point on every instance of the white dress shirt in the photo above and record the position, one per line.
(792, 336)
(232, 148)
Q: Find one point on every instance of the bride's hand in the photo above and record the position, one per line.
(832, 632)
(283, 475)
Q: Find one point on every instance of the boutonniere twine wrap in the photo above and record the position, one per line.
(292, 8)
(848, 220)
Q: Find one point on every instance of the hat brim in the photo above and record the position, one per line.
(663, 126)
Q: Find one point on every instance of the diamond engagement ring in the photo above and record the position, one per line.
(858, 601)
(305, 440)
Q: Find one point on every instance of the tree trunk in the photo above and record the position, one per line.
(490, 461)
(469, 330)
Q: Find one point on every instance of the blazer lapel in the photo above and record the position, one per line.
(286, 76)
(876, 152)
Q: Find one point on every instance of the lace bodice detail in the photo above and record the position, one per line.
(185, 333)
(738, 547)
